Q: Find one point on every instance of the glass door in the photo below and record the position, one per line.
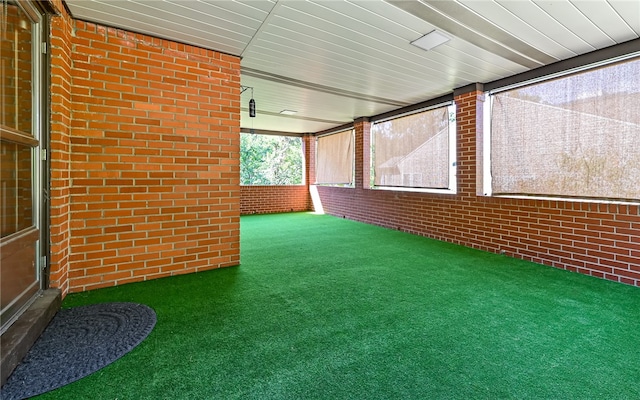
(20, 170)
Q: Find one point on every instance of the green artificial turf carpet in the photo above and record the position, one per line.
(326, 308)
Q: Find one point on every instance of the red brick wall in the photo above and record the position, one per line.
(273, 199)
(595, 239)
(150, 160)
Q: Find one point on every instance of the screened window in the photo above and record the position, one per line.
(574, 136)
(335, 158)
(271, 160)
(416, 151)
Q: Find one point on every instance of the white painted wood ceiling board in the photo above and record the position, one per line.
(492, 64)
(336, 64)
(410, 61)
(398, 51)
(217, 14)
(547, 25)
(606, 18)
(153, 30)
(366, 82)
(234, 10)
(394, 14)
(344, 32)
(333, 61)
(321, 88)
(369, 79)
(278, 96)
(339, 41)
(191, 22)
(198, 23)
(298, 116)
(468, 58)
(394, 52)
(457, 20)
(240, 6)
(309, 115)
(335, 109)
(352, 19)
(351, 78)
(575, 21)
(456, 50)
(406, 27)
(123, 18)
(630, 12)
(492, 11)
(283, 124)
(276, 120)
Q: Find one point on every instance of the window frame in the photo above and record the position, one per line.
(452, 167)
(303, 169)
(486, 176)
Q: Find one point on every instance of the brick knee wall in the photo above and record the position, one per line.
(273, 199)
(601, 240)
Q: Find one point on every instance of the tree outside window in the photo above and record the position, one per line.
(271, 160)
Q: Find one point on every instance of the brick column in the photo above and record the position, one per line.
(362, 128)
(310, 172)
(309, 142)
(469, 104)
(60, 151)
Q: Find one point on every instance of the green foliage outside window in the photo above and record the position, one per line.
(270, 160)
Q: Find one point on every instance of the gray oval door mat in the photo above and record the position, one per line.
(78, 342)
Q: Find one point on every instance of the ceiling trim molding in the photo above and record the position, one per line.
(459, 21)
(473, 87)
(412, 108)
(319, 88)
(335, 129)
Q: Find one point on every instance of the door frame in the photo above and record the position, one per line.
(36, 237)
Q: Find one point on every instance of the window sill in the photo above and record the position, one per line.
(566, 199)
(415, 190)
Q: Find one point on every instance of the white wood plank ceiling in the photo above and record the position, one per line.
(334, 61)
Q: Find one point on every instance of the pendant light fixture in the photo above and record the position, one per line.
(252, 107)
(252, 102)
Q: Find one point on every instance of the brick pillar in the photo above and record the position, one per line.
(309, 142)
(469, 104)
(362, 128)
(60, 132)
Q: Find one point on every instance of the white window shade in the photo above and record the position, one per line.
(335, 157)
(413, 151)
(576, 136)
